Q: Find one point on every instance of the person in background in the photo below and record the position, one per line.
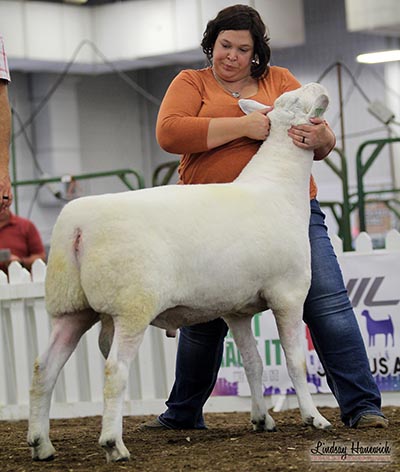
(203, 105)
(5, 132)
(19, 241)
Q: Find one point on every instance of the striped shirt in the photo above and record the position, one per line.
(4, 72)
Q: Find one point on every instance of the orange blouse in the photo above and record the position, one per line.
(192, 99)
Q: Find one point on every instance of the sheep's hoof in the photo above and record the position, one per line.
(46, 459)
(115, 450)
(264, 424)
(113, 455)
(123, 459)
(324, 424)
(259, 425)
(42, 450)
(318, 422)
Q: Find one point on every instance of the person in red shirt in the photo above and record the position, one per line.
(19, 241)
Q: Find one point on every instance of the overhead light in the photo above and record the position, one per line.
(380, 56)
(79, 2)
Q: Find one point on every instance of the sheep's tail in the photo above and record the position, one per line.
(64, 293)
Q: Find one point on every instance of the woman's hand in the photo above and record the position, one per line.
(317, 137)
(257, 124)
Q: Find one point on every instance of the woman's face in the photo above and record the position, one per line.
(232, 54)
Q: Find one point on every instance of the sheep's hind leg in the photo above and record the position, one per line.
(66, 332)
(291, 333)
(244, 339)
(123, 349)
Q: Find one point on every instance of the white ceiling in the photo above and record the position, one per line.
(129, 34)
(373, 16)
(134, 34)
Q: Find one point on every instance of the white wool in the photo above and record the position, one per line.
(184, 254)
(211, 248)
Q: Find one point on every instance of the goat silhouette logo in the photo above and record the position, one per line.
(375, 326)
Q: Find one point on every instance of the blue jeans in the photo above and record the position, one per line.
(334, 330)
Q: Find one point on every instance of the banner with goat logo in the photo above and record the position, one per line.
(373, 284)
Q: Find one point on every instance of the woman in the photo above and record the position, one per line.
(200, 119)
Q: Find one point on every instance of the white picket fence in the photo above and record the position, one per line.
(24, 332)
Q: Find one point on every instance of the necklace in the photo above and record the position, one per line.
(234, 94)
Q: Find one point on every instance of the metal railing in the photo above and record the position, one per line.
(169, 168)
(122, 174)
(362, 168)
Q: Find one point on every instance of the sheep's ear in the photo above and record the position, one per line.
(248, 106)
(319, 107)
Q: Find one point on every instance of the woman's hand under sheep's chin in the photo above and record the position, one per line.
(312, 136)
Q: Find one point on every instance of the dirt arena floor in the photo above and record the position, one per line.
(228, 445)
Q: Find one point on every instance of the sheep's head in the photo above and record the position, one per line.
(298, 106)
(294, 107)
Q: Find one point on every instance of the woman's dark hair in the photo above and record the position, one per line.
(240, 17)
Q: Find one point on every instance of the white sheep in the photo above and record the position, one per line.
(180, 255)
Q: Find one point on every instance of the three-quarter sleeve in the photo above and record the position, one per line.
(179, 128)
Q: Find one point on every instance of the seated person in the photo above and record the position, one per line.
(22, 240)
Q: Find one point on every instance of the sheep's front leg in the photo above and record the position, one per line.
(66, 332)
(244, 339)
(123, 349)
(291, 333)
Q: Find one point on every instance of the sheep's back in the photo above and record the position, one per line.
(165, 241)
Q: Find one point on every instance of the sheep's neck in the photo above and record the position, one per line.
(279, 160)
